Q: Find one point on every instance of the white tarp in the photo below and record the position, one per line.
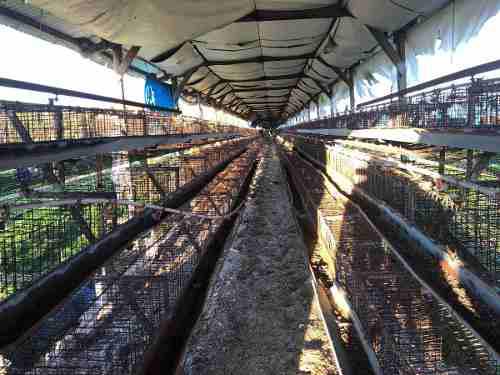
(447, 30)
(207, 27)
(340, 97)
(390, 15)
(375, 77)
(156, 25)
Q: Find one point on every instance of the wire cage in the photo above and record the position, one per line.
(34, 241)
(409, 329)
(473, 105)
(25, 123)
(469, 216)
(107, 324)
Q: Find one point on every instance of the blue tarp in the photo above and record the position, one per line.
(159, 94)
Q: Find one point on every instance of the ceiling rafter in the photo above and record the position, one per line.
(391, 51)
(338, 71)
(199, 80)
(258, 59)
(320, 45)
(265, 89)
(262, 15)
(267, 78)
(266, 97)
(211, 70)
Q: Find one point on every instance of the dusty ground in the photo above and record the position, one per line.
(261, 315)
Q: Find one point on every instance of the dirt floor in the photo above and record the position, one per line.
(261, 314)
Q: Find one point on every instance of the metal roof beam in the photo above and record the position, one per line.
(167, 54)
(259, 59)
(267, 78)
(342, 75)
(265, 89)
(388, 48)
(331, 11)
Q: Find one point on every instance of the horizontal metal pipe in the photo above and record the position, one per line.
(22, 85)
(483, 68)
(17, 155)
(26, 307)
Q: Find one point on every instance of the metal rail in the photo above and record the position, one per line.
(23, 85)
(470, 72)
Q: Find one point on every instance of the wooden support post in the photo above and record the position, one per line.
(332, 109)
(470, 164)
(351, 89)
(182, 84)
(389, 49)
(442, 160)
(76, 211)
(52, 178)
(411, 203)
(58, 124)
(19, 126)
(400, 40)
(200, 106)
(481, 164)
(153, 178)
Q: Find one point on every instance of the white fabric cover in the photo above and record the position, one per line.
(207, 26)
(391, 15)
(353, 40)
(454, 25)
(292, 4)
(340, 97)
(185, 59)
(162, 24)
(374, 78)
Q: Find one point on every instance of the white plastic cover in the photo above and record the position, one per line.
(157, 25)
(374, 78)
(447, 30)
(390, 15)
(340, 97)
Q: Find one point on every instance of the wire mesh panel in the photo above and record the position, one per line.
(472, 105)
(107, 324)
(35, 241)
(409, 329)
(23, 123)
(468, 217)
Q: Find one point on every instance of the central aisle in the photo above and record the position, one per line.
(262, 315)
